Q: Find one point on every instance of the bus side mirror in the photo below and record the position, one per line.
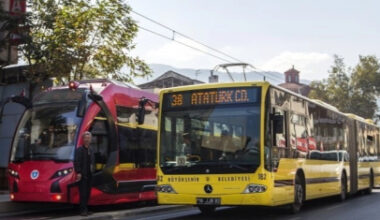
(278, 124)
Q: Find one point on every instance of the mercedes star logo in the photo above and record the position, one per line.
(208, 188)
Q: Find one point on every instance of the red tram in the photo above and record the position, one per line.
(123, 122)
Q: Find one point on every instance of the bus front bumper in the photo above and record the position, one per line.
(260, 199)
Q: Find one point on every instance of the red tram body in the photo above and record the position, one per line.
(41, 161)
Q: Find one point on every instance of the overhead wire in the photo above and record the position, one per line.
(186, 36)
(175, 32)
(182, 43)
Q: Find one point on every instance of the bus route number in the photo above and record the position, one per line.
(262, 176)
(177, 100)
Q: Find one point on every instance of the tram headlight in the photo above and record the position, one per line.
(165, 189)
(13, 173)
(254, 188)
(61, 173)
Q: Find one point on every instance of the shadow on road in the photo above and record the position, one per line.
(310, 210)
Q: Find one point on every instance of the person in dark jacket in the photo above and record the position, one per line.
(83, 165)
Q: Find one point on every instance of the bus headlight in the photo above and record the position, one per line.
(61, 173)
(254, 188)
(165, 189)
(13, 173)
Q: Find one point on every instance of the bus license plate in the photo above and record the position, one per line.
(208, 201)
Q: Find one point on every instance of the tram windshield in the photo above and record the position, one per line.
(47, 132)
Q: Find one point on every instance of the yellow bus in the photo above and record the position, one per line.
(254, 143)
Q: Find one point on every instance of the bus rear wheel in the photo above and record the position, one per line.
(207, 210)
(371, 184)
(343, 188)
(298, 196)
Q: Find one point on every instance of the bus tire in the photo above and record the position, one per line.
(343, 187)
(207, 210)
(299, 195)
(371, 183)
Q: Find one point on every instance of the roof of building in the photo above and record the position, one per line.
(292, 70)
(169, 75)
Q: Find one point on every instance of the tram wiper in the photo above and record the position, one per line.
(60, 160)
(18, 160)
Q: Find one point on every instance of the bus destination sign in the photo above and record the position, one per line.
(211, 97)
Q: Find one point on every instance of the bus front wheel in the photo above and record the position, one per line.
(298, 195)
(207, 210)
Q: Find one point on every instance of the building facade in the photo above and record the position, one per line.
(13, 82)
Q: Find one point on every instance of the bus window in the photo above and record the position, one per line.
(100, 145)
(299, 135)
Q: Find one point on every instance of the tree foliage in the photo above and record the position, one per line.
(351, 90)
(75, 39)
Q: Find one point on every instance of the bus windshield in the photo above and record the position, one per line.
(46, 132)
(210, 139)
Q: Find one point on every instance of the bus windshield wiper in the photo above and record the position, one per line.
(235, 165)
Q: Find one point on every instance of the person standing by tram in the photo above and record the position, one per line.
(84, 167)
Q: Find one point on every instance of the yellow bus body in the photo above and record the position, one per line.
(322, 177)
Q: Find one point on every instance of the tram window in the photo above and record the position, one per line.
(99, 130)
(126, 115)
(217, 129)
(137, 145)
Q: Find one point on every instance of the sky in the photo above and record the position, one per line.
(270, 35)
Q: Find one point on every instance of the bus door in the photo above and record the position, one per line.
(280, 146)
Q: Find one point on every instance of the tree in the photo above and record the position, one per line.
(75, 39)
(351, 90)
(366, 86)
(366, 75)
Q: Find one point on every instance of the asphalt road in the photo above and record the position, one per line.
(360, 207)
